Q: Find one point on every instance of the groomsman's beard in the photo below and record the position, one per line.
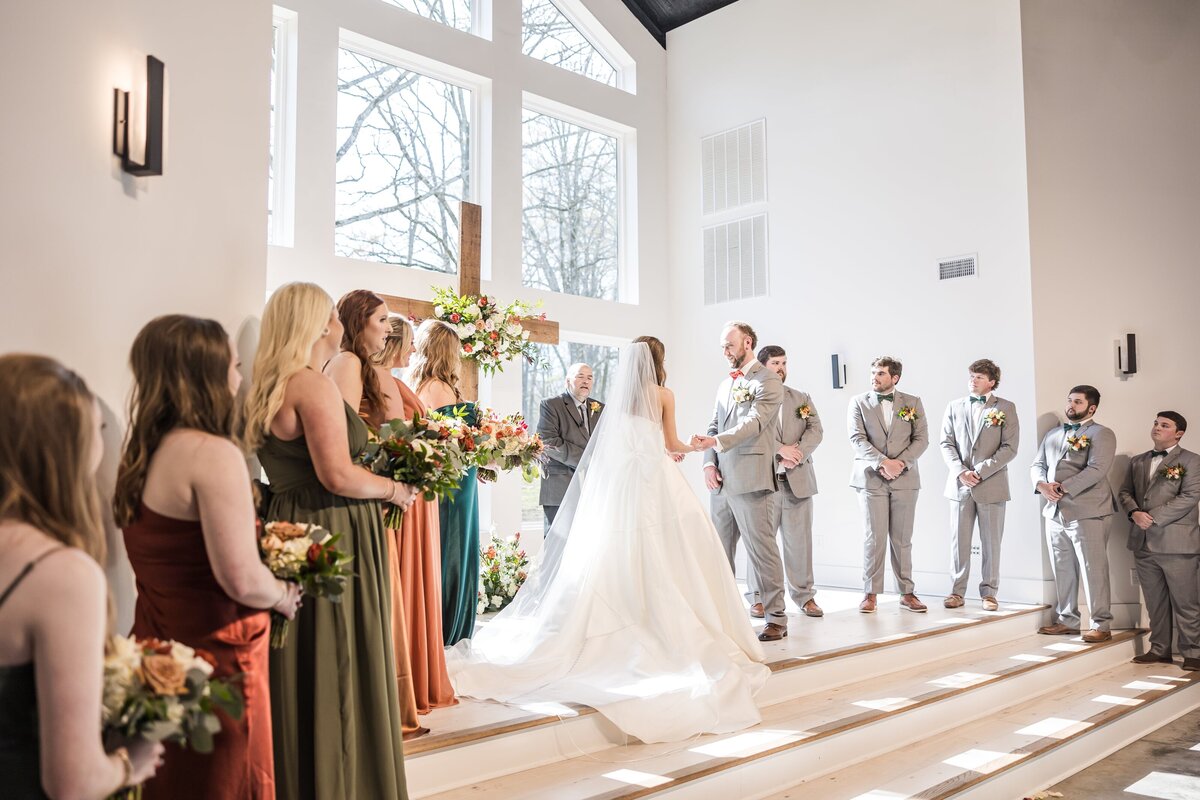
(1074, 415)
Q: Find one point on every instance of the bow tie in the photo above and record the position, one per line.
(975, 399)
(1069, 427)
(1157, 453)
(737, 373)
(882, 397)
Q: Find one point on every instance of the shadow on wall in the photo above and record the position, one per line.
(118, 571)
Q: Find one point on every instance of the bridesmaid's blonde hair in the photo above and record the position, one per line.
(295, 318)
(47, 428)
(400, 338)
(438, 356)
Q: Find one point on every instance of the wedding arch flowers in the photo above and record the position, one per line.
(491, 334)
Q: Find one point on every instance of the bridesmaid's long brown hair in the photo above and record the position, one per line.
(438, 356)
(658, 354)
(47, 431)
(180, 380)
(354, 309)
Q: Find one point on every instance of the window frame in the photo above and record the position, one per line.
(282, 185)
(598, 36)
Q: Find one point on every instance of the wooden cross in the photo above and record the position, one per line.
(542, 331)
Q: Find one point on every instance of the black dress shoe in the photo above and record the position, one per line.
(1190, 664)
(1152, 658)
(772, 632)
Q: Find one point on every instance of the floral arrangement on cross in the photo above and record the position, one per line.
(491, 334)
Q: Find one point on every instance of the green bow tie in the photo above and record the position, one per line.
(1157, 453)
(975, 399)
(1069, 427)
(882, 397)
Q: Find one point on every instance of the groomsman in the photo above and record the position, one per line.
(979, 438)
(1159, 496)
(739, 467)
(889, 433)
(1071, 472)
(798, 435)
(565, 424)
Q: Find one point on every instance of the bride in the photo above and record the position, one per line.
(632, 609)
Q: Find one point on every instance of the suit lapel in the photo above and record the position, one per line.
(572, 411)
(1140, 480)
(877, 409)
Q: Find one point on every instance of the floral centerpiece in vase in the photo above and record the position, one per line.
(503, 568)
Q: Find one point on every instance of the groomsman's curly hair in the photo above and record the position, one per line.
(745, 328)
(892, 365)
(985, 366)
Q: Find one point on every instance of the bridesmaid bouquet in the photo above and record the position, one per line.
(303, 554)
(163, 691)
(431, 453)
(507, 444)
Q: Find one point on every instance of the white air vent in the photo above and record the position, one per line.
(734, 167)
(735, 260)
(957, 267)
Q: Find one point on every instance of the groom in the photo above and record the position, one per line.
(739, 467)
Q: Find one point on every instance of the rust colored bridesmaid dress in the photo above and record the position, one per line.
(179, 598)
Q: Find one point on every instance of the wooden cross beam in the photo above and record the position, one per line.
(542, 331)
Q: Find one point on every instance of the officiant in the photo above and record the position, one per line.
(565, 424)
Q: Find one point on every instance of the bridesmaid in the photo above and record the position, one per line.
(335, 712)
(53, 596)
(435, 374)
(419, 545)
(183, 500)
(364, 318)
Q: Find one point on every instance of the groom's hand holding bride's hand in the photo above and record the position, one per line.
(699, 442)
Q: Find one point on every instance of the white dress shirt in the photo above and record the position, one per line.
(1157, 461)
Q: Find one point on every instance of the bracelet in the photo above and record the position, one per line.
(122, 755)
(391, 496)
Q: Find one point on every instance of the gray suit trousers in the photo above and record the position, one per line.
(889, 517)
(792, 516)
(1075, 547)
(747, 516)
(963, 515)
(1169, 583)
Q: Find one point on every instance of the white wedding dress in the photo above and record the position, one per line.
(634, 613)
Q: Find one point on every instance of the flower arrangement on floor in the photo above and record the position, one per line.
(503, 568)
(491, 334)
(431, 453)
(303, 554)
(163, 691)
(507, 444)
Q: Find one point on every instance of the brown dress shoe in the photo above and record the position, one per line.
(811, 609)
(772, 632)
(1057, 629)
(1191, 664)
(757, 611)
(1095, 635)
(867, 606)
(953, 601)
(1152, 658)
(913, 603)
(990, 604)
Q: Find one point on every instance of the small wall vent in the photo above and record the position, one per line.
(735, 260)
(734, 167)
(957, 267)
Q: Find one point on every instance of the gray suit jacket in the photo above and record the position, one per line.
(805, 434)
(746, 431)
(873, 443)
(1176, 527)
(985, 451)
(1083, 473)
(565, 440)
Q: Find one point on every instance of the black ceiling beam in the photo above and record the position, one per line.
(648, 22)
(661, 16)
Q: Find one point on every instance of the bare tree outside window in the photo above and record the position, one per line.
(570, 219)
(455, 13)
(403, 164)
(539, 383)
(549, 36)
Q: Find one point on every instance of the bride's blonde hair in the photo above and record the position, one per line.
(296, 317)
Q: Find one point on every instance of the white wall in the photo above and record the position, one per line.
(894, 137)
(1112, 105)
(500, 62)
(87, 254)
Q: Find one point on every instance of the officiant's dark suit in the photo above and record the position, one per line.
(565, 426)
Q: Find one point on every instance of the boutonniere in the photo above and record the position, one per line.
(742, 391)
(1174, 473)
(908, 414)
(593, 406)
(993, 418)
(803, 412)
(1078, 443)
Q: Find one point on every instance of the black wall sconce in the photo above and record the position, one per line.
(155, 90)
(839, 371)
(1127, 355)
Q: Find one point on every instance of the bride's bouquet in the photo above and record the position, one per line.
(431, 453)
(303, 554)
(507, 444)
(163, 691)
